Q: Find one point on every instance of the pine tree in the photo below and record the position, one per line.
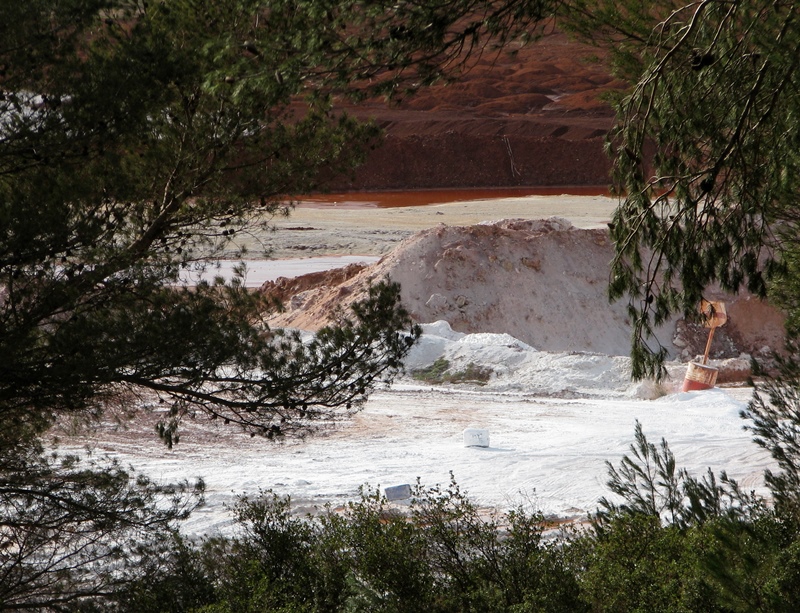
(141, 138)
(705, 151)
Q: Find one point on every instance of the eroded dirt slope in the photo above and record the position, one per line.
(535, 117)
(543, 282)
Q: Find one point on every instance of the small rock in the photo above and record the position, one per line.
(437, 302)
(398, 492)
(476, 437)
(535, 264)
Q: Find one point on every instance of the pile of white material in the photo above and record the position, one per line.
(515, 366)
(542, 281)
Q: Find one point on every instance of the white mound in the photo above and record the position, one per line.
(543, 282)
(511, 365)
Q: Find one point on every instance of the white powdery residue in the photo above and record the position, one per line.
(487, 339)
(425, 352)
(715, 399)
(550, 451)
(441, 329)
(516, 366)
(566, 373)
(500, 353)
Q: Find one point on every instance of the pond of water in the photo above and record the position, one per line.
(391, 199)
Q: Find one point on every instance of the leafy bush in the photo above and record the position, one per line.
(650, 484)
(434, 373)
(679, 543)
(636, 564)
(440, 372)
(668, 542)
(443, 556)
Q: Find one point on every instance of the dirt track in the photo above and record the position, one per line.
(376, 231)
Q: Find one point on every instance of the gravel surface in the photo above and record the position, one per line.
(348, 230)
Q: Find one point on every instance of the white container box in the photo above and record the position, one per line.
(476, 437)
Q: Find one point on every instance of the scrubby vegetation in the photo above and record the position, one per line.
(670, 542)
(441, 372)
(137, 139)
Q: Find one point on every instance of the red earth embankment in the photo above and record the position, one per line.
(532, 118)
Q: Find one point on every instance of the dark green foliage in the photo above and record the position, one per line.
(784, 292)
(72, 532)
(663, 547)
(673, 543)
(146, 138)
(705, 151)
(650, 484)
(442, 556)
(774, 413)
(138, 139)
(706, 165)
(440, 372)
(635, 564)
(678, 543)
(170, 578)
(433, 373)
(751, 562)
(137, 158)
(776, 427)
(495, 563)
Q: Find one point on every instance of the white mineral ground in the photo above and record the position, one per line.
(553, 417)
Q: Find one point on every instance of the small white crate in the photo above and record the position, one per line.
(476, 437)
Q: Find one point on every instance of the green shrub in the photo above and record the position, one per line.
(443, 556)
(440, 372)
(673, 543)
(636, 564)
(434, 373)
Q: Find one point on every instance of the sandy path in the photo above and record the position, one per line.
(313, 232)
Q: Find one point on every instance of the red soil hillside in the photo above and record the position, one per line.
(531, 118)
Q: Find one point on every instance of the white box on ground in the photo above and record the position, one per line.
(476, 437)
(398, 492)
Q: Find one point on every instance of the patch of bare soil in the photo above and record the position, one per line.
(543, 282)
(534, 117)
(286, 289)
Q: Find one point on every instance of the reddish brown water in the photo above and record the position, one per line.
(357, 200)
